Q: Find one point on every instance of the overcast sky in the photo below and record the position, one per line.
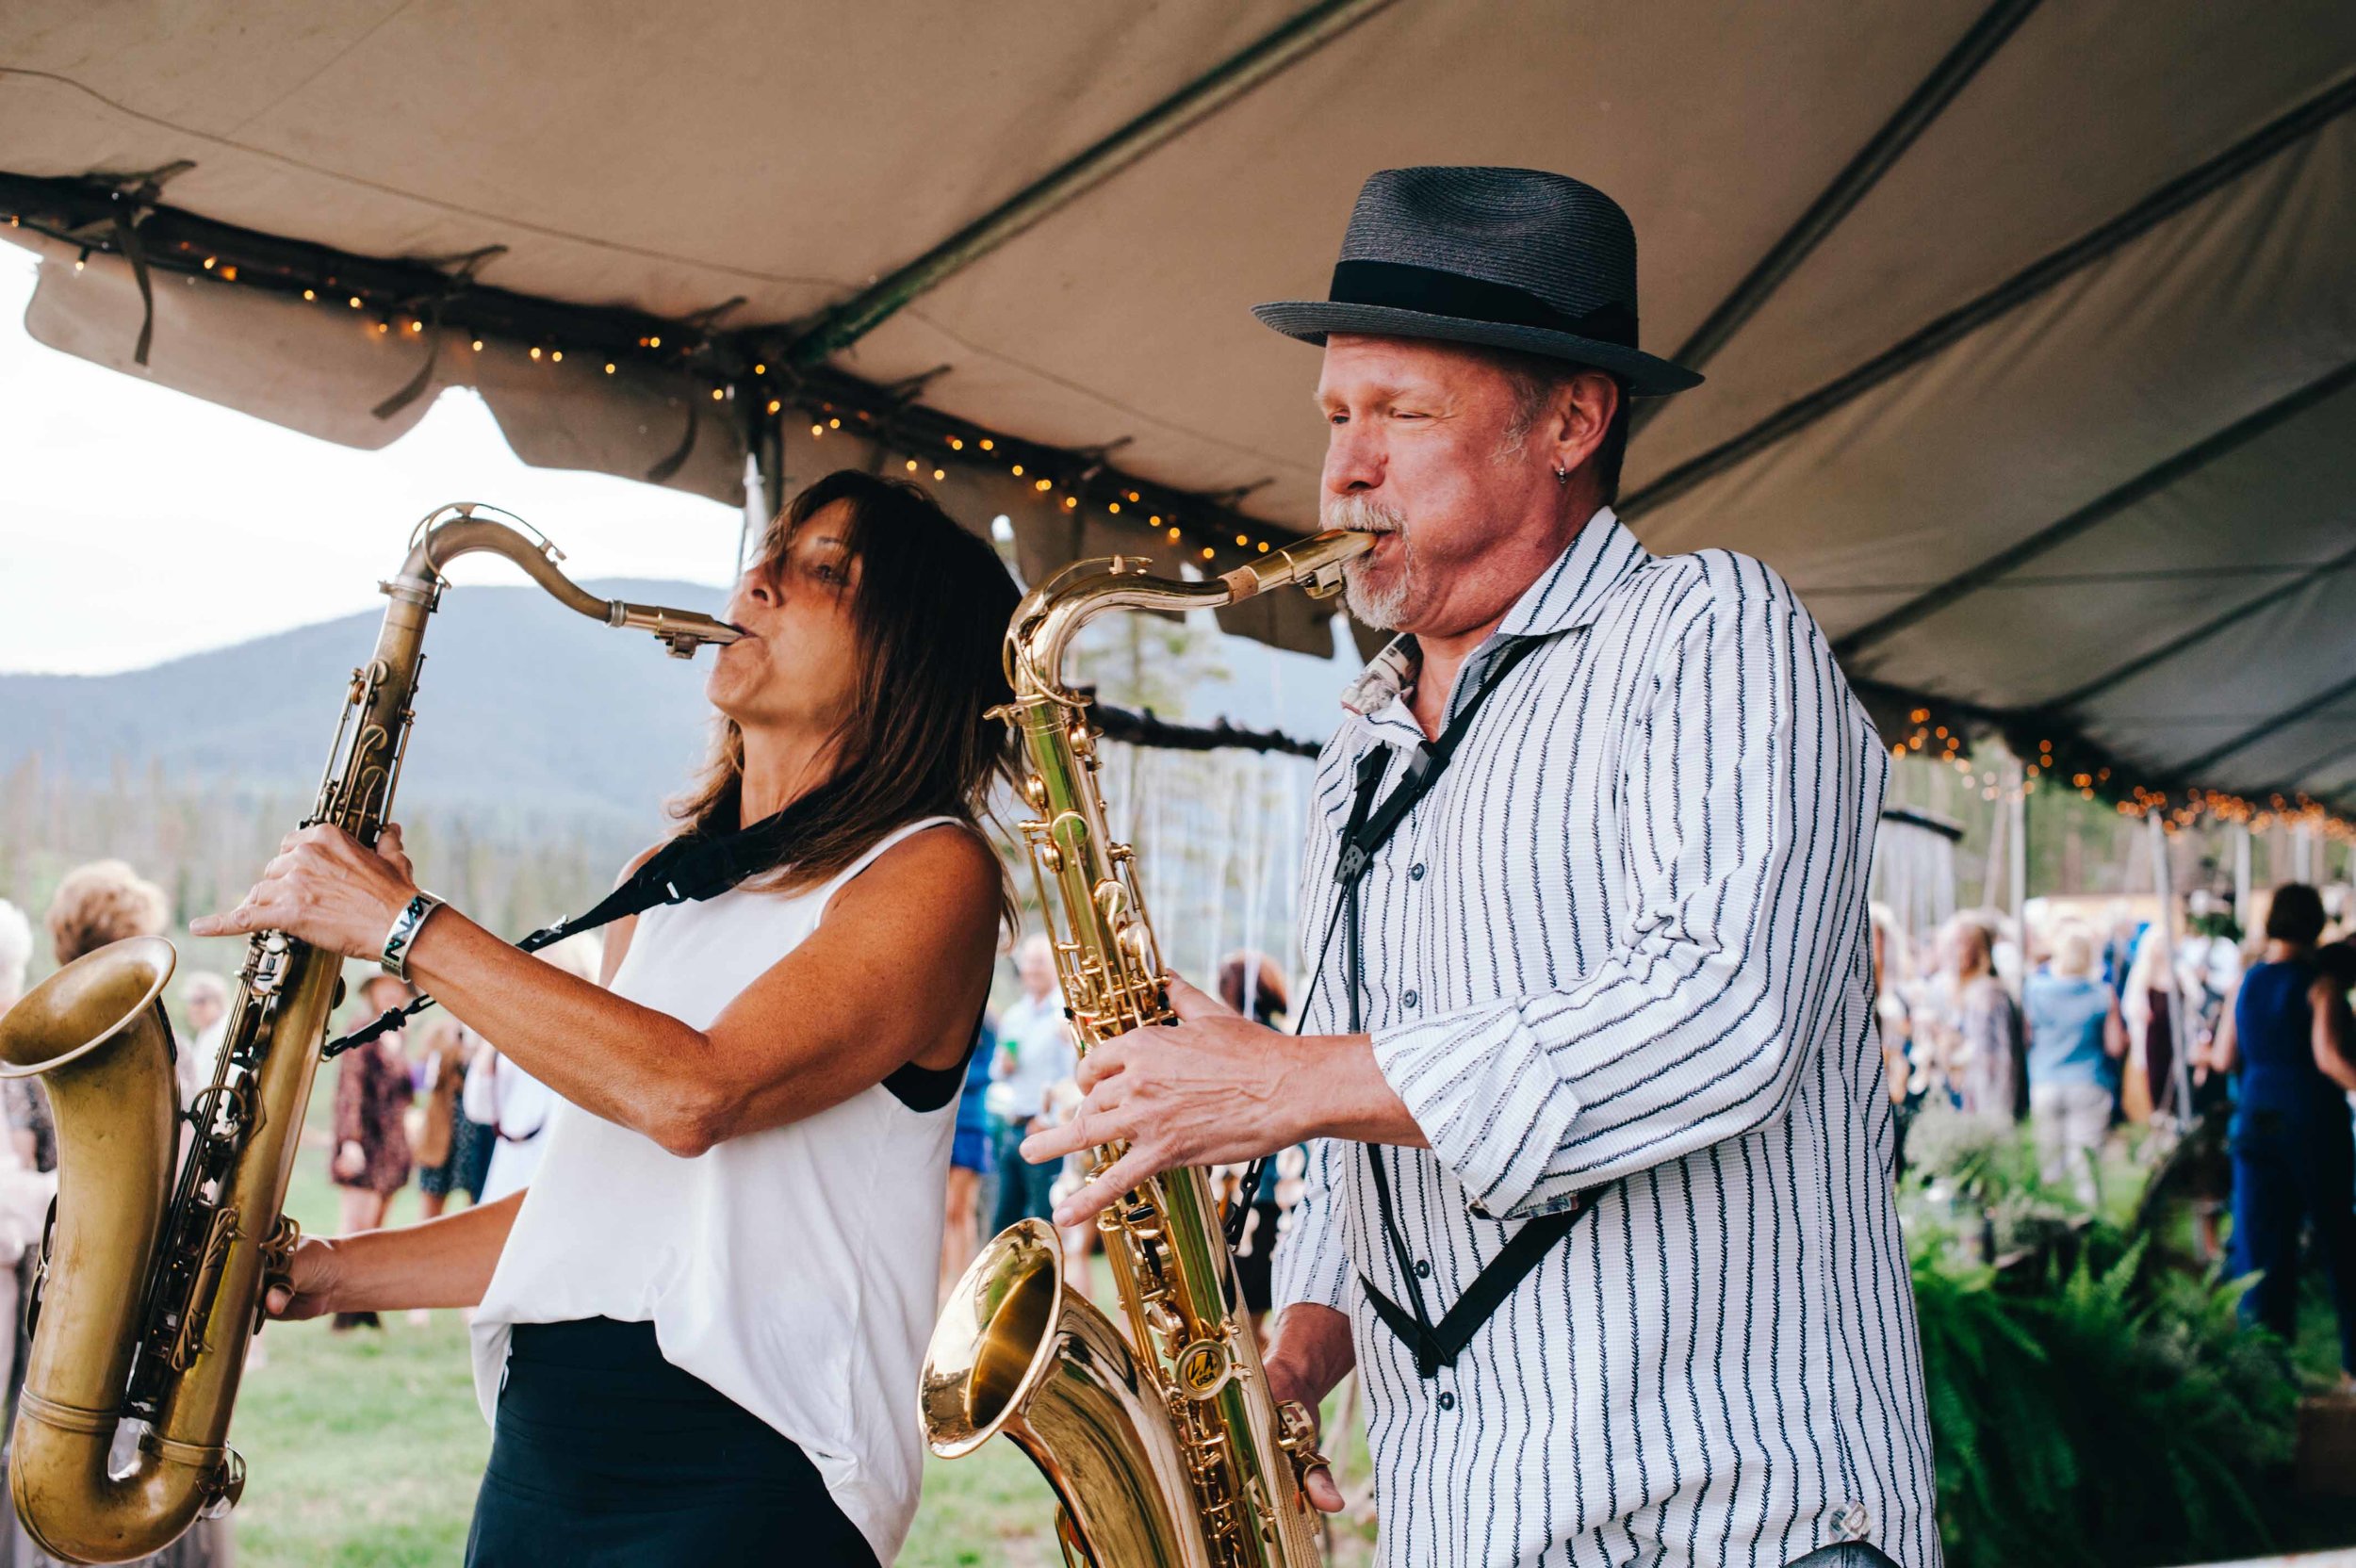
(138, 523)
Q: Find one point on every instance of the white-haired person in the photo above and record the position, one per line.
(2075, 1040)
(205, 997)
(699, 1330)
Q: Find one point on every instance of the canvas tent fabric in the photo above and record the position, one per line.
(2028, 327)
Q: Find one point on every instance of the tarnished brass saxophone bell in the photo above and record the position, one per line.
(1165, 1447)
(151, 1283)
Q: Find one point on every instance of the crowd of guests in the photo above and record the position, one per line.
(1020, 1079)
(433, 1101)
(2076, 1032)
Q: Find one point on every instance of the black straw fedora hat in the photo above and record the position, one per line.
(1508, 258)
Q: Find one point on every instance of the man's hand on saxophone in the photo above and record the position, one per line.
(1217, 1089)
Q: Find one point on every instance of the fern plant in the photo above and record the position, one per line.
(2091, 1401)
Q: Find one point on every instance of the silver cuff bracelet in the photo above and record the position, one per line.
(403, 936)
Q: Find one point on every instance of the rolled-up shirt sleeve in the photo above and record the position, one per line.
(1311, 1261)
(1745, 798)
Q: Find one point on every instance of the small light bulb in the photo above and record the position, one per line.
(478, 344)
(1206, 552)
(834, 424)
(310, 294)
(775, 405)
(1070, 502)
(1114, 508)
(1241, 540)
(956, 443)
(1018, 470)
(1153, 521)
(355, 302)
(208, 263)
(818, 429)
(911, 465)
(717, 394)
(1043, 486)
(987, 443)
(761, 369)
(654, 342)
(556, 356)
(419, 326)
(609, 366)
(1173, 536)
(536, 350)
(1264, 546)
(940, 473)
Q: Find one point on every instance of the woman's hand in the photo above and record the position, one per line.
(326, 889)
(351, 1160)
(312, 1291)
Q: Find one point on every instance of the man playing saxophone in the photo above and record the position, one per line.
(698, 1329)
(1599, 1205)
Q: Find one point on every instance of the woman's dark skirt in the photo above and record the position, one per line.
(607, 1456)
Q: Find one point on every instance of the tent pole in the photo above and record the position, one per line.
(2179, 1028)
(1304, 36)
(2016, 802)
(2241, 876)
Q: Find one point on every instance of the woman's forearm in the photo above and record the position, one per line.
(442, 1262)
(627, 1064)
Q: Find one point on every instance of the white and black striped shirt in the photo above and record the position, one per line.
(1625, 940)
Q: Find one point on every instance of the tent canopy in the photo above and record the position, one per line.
(2030, 329)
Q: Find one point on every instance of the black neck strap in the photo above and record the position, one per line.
(1369, 828)
(691, 867)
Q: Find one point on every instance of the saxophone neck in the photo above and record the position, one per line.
(469, 528)
(1052, 615)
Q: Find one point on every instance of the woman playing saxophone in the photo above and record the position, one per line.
(726, 1265)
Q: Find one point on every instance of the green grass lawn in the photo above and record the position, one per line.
(363, 1449)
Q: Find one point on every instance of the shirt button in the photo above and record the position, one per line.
(1423, 1269)
(1447, 1401)
(1409, 999)
(1415, 873)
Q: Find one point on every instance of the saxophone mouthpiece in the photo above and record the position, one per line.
(681, 631)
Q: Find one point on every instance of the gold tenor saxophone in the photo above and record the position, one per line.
(149, 1286)
(1166, 1450)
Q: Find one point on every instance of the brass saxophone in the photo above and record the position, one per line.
(1164, 1448)
(150, 1284)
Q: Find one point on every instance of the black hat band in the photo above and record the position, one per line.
(1433, 292)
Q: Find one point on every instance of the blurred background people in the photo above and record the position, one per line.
(370, 1161)
(103, 902)
(1034, 1055)
(2075, 1035)
(1978, 1027)
(2149, 1007)
(2291, 1044)
(205, 997)
(513, 1104)
(969, 1162)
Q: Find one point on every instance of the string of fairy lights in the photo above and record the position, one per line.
(406, 301)
(2043, 769)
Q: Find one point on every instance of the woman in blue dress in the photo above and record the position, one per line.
(2289, 1037)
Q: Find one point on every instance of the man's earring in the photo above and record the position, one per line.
(1561, 475)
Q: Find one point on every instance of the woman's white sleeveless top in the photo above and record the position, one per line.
(792, 1269)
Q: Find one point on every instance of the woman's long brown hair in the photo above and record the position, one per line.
(929, 616)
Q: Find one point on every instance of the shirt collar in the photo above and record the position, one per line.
(1566, 596)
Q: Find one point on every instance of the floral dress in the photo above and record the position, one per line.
(371, 1092)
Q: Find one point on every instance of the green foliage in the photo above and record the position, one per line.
(2093, 1399)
